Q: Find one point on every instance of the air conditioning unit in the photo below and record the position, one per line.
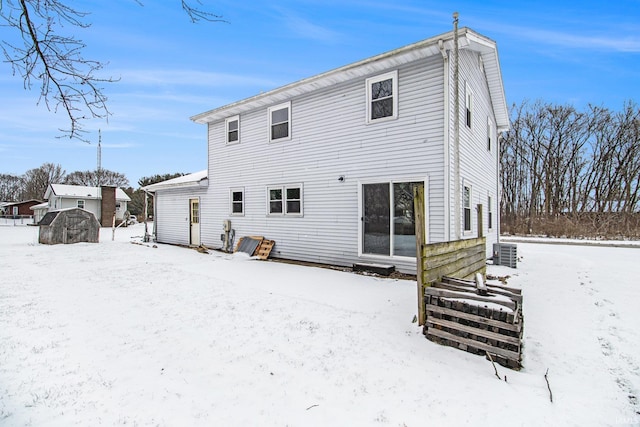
(505, 254)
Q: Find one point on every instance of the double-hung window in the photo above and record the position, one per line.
(232, 130)
(466, 206)
(280, 122)
(285, 200)
(468, 104)
(382, 97)
(489, 134)
(80, 204)
(237, 201)
(490, 213)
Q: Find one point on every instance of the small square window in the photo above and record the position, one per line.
(232, 128)
(237, 201)
(280, 122)
(382, 97)
(80, 204)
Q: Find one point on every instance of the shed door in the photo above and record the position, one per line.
(194, 221)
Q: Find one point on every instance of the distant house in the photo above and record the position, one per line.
(326, 166)
(22, 208)
(104, 202)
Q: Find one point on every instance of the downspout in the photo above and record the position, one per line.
(456, 129)
(498, 181)
(446, 143)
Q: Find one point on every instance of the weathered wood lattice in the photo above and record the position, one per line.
(457, 316)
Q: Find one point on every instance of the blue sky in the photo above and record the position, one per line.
(170, 69)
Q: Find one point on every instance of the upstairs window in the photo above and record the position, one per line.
(468, 104)
(80, 204)
(280, 122)
(382, 97)
(489, 134)
(232, 129)
(285, 200)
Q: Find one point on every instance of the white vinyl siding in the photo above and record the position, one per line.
(478, 165)
(171, 217)
(331, 140)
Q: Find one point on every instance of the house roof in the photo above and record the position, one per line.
(22, 202)
(44, 205)
(467, 39)
(82, 192)
(196, 179)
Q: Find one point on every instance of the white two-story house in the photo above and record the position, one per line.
(326, 166)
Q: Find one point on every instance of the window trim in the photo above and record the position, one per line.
(227, 121)
(284, 211)
(273, 108)
(466, 230)
(232, 202)
(393, 75)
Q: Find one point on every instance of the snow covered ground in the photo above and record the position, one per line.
(117, 333)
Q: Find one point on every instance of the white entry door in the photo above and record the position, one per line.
(194, 221)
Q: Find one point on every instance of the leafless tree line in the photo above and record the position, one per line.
(567, 172)
(33, 184)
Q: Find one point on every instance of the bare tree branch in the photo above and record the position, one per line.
(68, 81)
(196, 14)
(41, 54)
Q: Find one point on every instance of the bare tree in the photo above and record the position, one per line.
(37, 180)
(11, 188)
(42, 54)
(97, 178)
(570, 172)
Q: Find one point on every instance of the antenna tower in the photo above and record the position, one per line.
(99, 150)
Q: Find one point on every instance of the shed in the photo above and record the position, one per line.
(71, 225)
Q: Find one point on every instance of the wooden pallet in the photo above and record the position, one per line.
(457, 316)
(259, 246)
(264, 249)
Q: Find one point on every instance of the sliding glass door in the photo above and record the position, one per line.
(388, 219)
